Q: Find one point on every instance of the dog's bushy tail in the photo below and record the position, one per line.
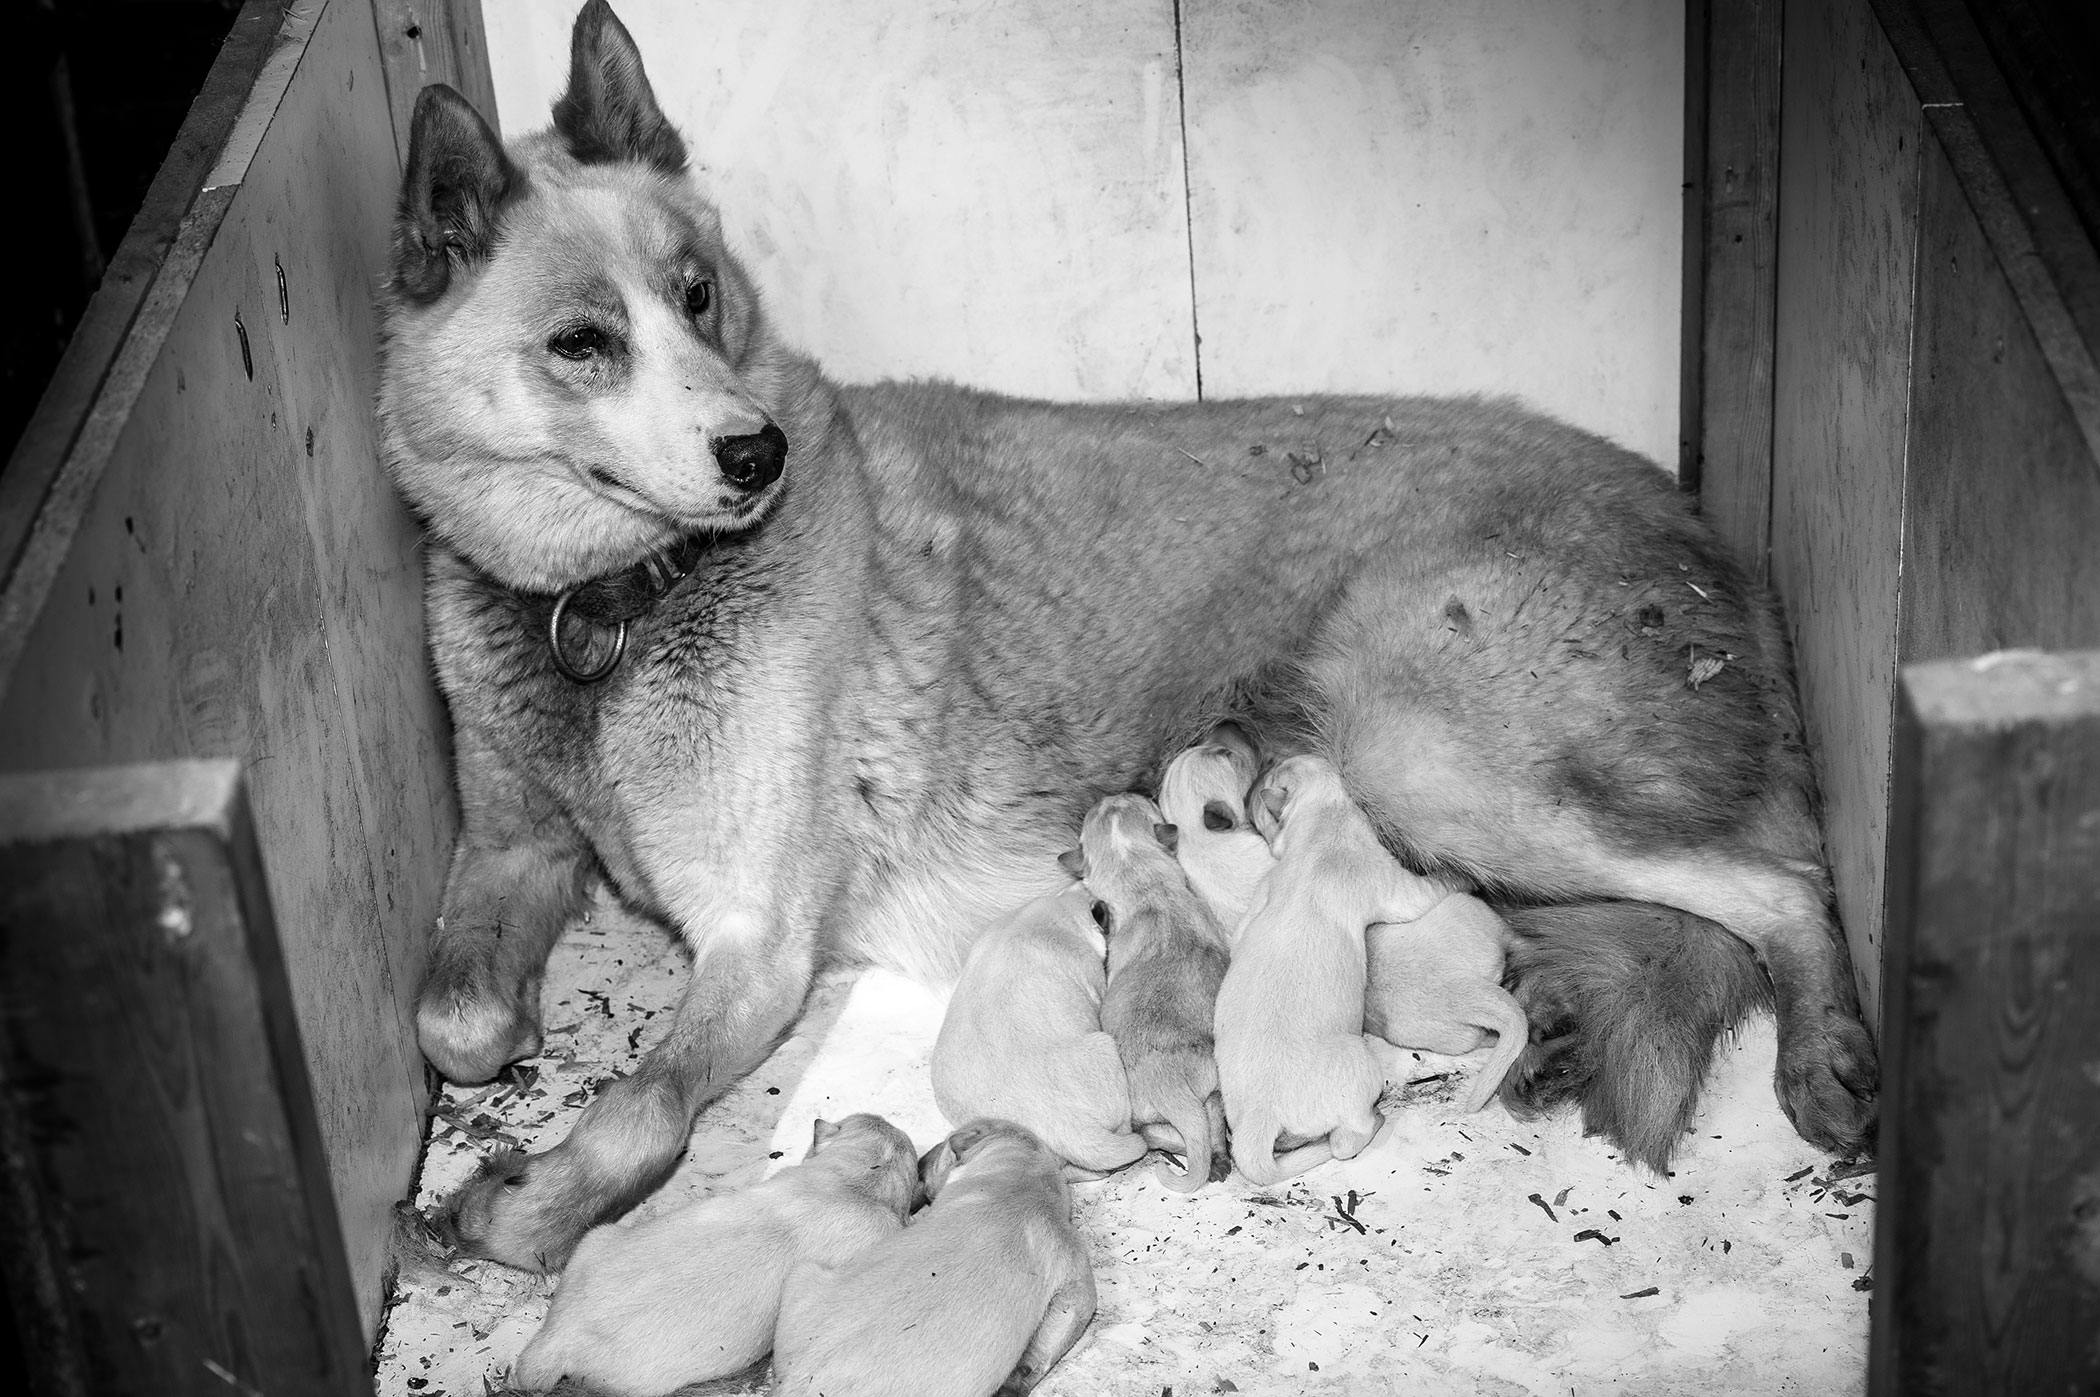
(1626, 1001)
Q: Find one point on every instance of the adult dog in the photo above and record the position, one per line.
(809, 669)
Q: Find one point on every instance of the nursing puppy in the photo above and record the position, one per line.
(1166, 958)
(1022, 1039)
(1203, 794)
(1291, 1052)
(983, 1293)
(693, 1293)
(1436, 983)
(812, 670)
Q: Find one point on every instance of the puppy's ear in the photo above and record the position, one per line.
(1265, 808)
(1073, 861)
(457, 181)
(962, 1141)
(609, 113)
(1169, 836)
(825, 1130)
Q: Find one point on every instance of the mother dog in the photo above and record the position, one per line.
(808, 670)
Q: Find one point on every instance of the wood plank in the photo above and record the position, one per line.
(1404, 196)
(156, 1114)
(1987, 1261)
(241, 581)
(76, 386)
(1005, 207)
(2001, 518)
(427, 41)
(2060, 245)
(1850, 139)
(1731, 267)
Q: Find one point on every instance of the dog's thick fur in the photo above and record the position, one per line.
(1166, 958)
(692, 1294)
(1625, 1000)
(983, 1293)
(1022, 1039)
(898, 674)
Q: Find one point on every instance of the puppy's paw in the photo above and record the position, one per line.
(470, 1035)
(1828, 1081)
(527, 1211)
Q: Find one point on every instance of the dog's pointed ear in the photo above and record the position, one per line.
(457, 181)
(824, 1130)
(1169, 837)
(609, 112)
(1073, 861)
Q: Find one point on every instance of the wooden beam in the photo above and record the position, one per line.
(166, 1198)
(1987, 1263)
(1731, 244)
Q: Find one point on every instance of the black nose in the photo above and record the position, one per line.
(752, 462)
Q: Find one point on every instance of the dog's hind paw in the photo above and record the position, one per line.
(1827, 1079)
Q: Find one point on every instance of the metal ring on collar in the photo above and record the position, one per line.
(569, 670)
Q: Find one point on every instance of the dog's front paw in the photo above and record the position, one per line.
(1828, 1081)
(470, 1035)
(527, 1211)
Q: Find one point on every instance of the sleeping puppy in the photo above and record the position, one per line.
(692, 1294)
(1203, 794)
(1022, 1038)
(982, 1294)
(1166, 958)
(1436, 983)
(1291, 1052)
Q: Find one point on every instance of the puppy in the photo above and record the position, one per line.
(1436, 983)
(692, 1294)
(1166, 958)
(1203, 794)
(1291, 1052)
(982, 1294)
(1022, 1039)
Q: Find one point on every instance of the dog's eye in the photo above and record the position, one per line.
(699, 297)
(578, 342)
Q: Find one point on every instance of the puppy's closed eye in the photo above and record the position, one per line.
(1218, 817)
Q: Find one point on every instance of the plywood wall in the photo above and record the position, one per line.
(223, 570)
(1059, 198)
(1848, 198)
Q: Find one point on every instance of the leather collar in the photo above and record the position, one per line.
(583, 614)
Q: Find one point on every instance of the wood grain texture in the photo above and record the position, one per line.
(1847, 244)
(154, 1104)
(1398, 196)
(98, 343)
(989, 193)
(2001, 521)
(427, 41)
(1731, 269)
(242, 582)
(1987, 1262)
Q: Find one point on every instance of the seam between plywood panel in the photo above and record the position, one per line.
(1188, 212)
